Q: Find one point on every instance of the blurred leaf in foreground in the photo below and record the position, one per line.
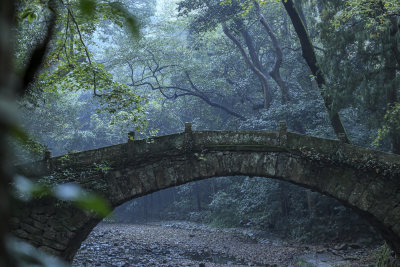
(119, 11)
(25, 190)
(26, 255)
(87, 7)
(82, 199)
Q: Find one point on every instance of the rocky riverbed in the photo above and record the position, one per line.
(190, 244)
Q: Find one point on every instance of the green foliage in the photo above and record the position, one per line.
(359, 43)
(65, 158)
(76, 121)
(33, 147)
(301, 263)
(390, 125)
(247, 5)
(31, 10)
(375, 14)
(70, 65)
(90, 11)
(384, 257)
(103, 166)
(209, 13)
(28, 14)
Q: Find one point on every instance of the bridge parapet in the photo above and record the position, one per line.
(196, 141)
(155, 146)
(335, 151)
(77, 160)
(235, 138)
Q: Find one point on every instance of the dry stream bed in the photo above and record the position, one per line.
(191, 244)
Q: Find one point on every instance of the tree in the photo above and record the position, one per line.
(310, 57)
(175, 64)
(210, 14)
(70, 64)
(361, 48)
(275, 73)
(11, 85)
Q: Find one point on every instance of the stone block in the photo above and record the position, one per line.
(30, 229)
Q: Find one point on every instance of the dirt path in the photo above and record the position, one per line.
(187, 244)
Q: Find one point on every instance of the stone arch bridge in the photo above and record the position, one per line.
(365, 180)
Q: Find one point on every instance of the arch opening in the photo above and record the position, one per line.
(266, 206)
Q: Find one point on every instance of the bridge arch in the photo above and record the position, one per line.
(366, 181)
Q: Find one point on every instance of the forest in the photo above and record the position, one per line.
(84, 75)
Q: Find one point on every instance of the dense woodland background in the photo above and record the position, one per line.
(327, 68)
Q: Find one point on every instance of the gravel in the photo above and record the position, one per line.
(191, 244)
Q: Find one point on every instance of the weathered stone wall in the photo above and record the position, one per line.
(365, 180)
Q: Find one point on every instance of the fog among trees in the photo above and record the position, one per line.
(81, 74)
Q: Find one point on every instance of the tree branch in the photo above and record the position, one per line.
(263, 79)
(86, 50)
(196, 92)
(37, 57)
(275, 73)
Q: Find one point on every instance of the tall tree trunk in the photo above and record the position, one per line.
(275, 73)
(311, 59)
(7, 13)
(256, 61)
(253, 65)
(390, 84)
(301, 13)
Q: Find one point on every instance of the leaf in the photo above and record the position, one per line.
(68, 192)
(8, 112)
(20, 134)
(25, 254)
(28, 14)
(132, 25)
(95, 204)
(22, 184)
(86, 201)
(118, 10)
(26, 189)
(87, 7)
(31, 17)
